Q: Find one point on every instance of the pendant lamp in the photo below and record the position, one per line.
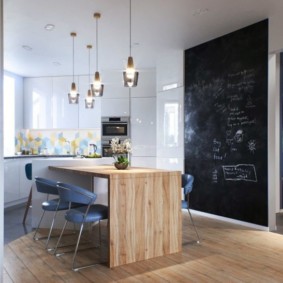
(130, 75)
(73, 95)
(89, 100)
(97, 87)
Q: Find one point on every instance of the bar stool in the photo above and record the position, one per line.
(28, 171)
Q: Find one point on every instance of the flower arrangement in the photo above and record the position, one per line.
(120, 152)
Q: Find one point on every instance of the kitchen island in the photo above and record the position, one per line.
(144, 210)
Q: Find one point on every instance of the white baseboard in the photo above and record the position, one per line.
(230, 220)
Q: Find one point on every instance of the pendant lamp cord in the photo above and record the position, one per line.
(130, 17)
(73, 58)
(89, 65)
(97, 44)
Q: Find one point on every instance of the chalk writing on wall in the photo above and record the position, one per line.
(240, 172)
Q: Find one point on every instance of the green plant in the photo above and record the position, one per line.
(122, 159)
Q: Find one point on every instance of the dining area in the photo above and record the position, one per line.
(141, 231)
(141, 208)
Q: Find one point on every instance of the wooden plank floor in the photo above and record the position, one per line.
(227, 253)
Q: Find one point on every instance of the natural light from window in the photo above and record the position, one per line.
(9, 115)
(171, 129)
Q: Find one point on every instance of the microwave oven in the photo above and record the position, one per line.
(115, 127)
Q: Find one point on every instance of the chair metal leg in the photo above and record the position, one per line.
(75, 253)
(76, 250)
(194, 226)
(58, 242)
(38, 226)
(27, 205)
(50, 230)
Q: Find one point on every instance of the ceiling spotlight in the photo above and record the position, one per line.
(26, 47)
(200, 12)
(49, 27)
(56, 63)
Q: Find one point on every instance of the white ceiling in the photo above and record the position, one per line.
(157, 25)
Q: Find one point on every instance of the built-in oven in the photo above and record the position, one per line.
(106, 149)
(115, 127)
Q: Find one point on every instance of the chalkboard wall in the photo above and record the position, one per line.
(226, 124)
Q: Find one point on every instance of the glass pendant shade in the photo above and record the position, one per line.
(89, 100)
(130, 76)
(73, 95)
(97, 87)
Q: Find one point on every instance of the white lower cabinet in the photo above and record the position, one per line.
(16, 185)
(11, 181)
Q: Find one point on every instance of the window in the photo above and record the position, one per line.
(171, 129)
(9, 115)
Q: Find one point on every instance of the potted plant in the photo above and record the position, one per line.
(121, 151)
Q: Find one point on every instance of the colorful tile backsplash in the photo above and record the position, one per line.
(57, 141)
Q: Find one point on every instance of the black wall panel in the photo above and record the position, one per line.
(226, 83)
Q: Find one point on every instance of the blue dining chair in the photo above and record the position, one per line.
(187, 185)
(88, 213)
(49, 187)
(28, 172)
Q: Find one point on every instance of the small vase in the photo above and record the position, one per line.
(121, 166)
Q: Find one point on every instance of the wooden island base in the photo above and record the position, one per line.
(144, 211)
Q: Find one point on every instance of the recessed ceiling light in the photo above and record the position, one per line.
(49, 27)
(200, 12)
(27, 48)
(56, 63)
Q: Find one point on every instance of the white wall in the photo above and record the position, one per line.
(273, 140)
(275, 33)
(1, 146)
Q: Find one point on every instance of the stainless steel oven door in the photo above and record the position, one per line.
(115, 127)
(106, 150)
(110, 129)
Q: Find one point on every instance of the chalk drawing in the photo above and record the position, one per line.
(240, 172)
(252, 146)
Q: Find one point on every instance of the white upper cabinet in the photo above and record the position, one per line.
(170, 70)
(37, 103)
(115, 107)
(115, 100)
(143, 126)
(146, 84)
(65, 115)
(143, 115)
(47, 105)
